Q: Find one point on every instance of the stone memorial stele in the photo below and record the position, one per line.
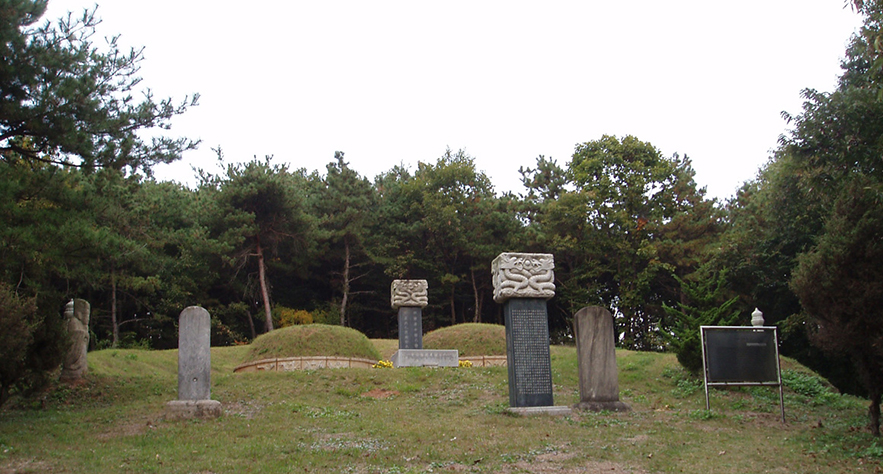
(596, 357)
(522, 283)
(409, 297)
(194, 367)
(76, 320)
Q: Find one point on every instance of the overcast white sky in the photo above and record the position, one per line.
(396, 82)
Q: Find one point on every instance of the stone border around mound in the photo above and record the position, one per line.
(285, 364)
(486, 361)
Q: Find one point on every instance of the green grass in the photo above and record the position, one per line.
(470, 339)
(428, 420)
(312, 340)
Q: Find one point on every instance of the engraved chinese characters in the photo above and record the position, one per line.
(527, 348)
(523, 275)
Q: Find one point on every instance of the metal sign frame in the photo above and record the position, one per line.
(741, 383)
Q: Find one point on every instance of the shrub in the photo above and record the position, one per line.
(705, 309)
(284, 317)
(32, 344)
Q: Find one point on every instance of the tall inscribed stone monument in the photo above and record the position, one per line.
(409, 297)
(596, 357)
(194, 367)
(522, 284)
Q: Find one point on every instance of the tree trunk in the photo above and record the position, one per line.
(254, 333)
(346, 281)
(874, 413)
(265, 293)
(113, 310)
(477, 317)
(453, 308)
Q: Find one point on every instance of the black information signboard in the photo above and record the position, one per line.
(741, 355)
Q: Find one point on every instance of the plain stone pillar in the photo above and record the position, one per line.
(596, 356)
(409, 297)
(522, 284)
(194, 367)
(194, 354)
(76, 320)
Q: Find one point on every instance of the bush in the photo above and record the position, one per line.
(682, 334)
(32, 345)
(284, 317)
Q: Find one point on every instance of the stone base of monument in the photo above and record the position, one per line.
(187, 409)
(426, 358)
(602, 406)
(551, 410)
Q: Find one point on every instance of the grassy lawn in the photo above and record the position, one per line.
(428, 420)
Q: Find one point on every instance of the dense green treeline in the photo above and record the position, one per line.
(256, 236)
(261, 245)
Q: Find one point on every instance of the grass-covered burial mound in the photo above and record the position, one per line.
(312, 340)
(471, 339)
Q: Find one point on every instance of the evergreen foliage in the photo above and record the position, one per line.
(32, 343)
(705, 305)
(62, 100)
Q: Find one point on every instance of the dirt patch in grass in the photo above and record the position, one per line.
(554, 463)
(380, 394)
(127, 429)
(247, 409)
(24, 465)
(553, 466)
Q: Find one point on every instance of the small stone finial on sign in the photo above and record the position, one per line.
(409, 293)
(523, 275)
(757, 318)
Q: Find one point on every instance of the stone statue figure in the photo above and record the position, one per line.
(76, 320)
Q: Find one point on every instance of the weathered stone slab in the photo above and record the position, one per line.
(426, 358)
(596, 357)
(187, 409)
(286, 364)
(314, 363)
(544, 410)
(409, 293)
(523, 275)
(527, 352)
(410, 327)
(486, 361)
(194, 354)
(76, 320)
